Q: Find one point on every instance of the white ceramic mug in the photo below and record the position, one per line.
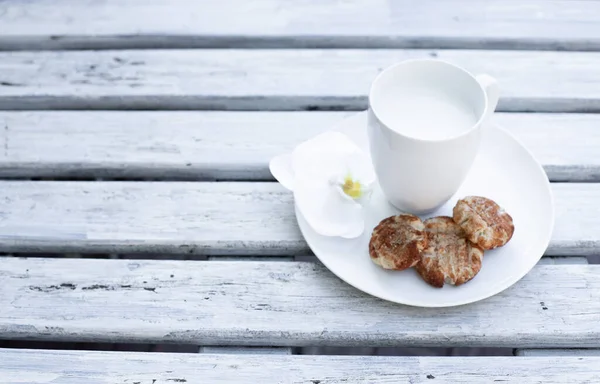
(424, 124)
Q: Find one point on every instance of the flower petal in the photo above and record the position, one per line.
(282, 171)
(361, 167)
(324, 155)
(318, 166)
(327, 212)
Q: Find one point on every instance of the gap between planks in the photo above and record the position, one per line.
(127, 42)
(246, 350)
(557, 352)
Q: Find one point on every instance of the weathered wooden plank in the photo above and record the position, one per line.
(207, 218)
(276, 79)
(279, 304)
(506, 24)
(234, 145)
(558, 352)
(62, 367)
(162, 145)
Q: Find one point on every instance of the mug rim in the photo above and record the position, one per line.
(395, 66)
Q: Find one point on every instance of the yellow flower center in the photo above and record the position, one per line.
(352, 187)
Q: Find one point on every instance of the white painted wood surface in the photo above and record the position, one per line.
(276, 79)
(520, 24)
(67, 367)
(254, 219)
(250, 303)
(557, 352)
(235, 145)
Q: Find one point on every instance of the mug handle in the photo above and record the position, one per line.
(490, 85)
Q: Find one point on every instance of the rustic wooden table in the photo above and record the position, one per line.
(134, 157)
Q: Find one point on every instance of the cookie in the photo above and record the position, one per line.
(397, 242)
(449, 257)
(484, 221)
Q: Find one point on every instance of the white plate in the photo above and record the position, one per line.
(504, 171)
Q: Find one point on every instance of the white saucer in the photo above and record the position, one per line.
(504, 171)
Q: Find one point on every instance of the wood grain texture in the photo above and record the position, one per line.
(280, 304)
(558, 352)
(239, 218)
(204, 145)
(276, 79)
(506, 24)
(66, 367)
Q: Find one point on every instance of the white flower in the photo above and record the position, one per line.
(331, 179)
